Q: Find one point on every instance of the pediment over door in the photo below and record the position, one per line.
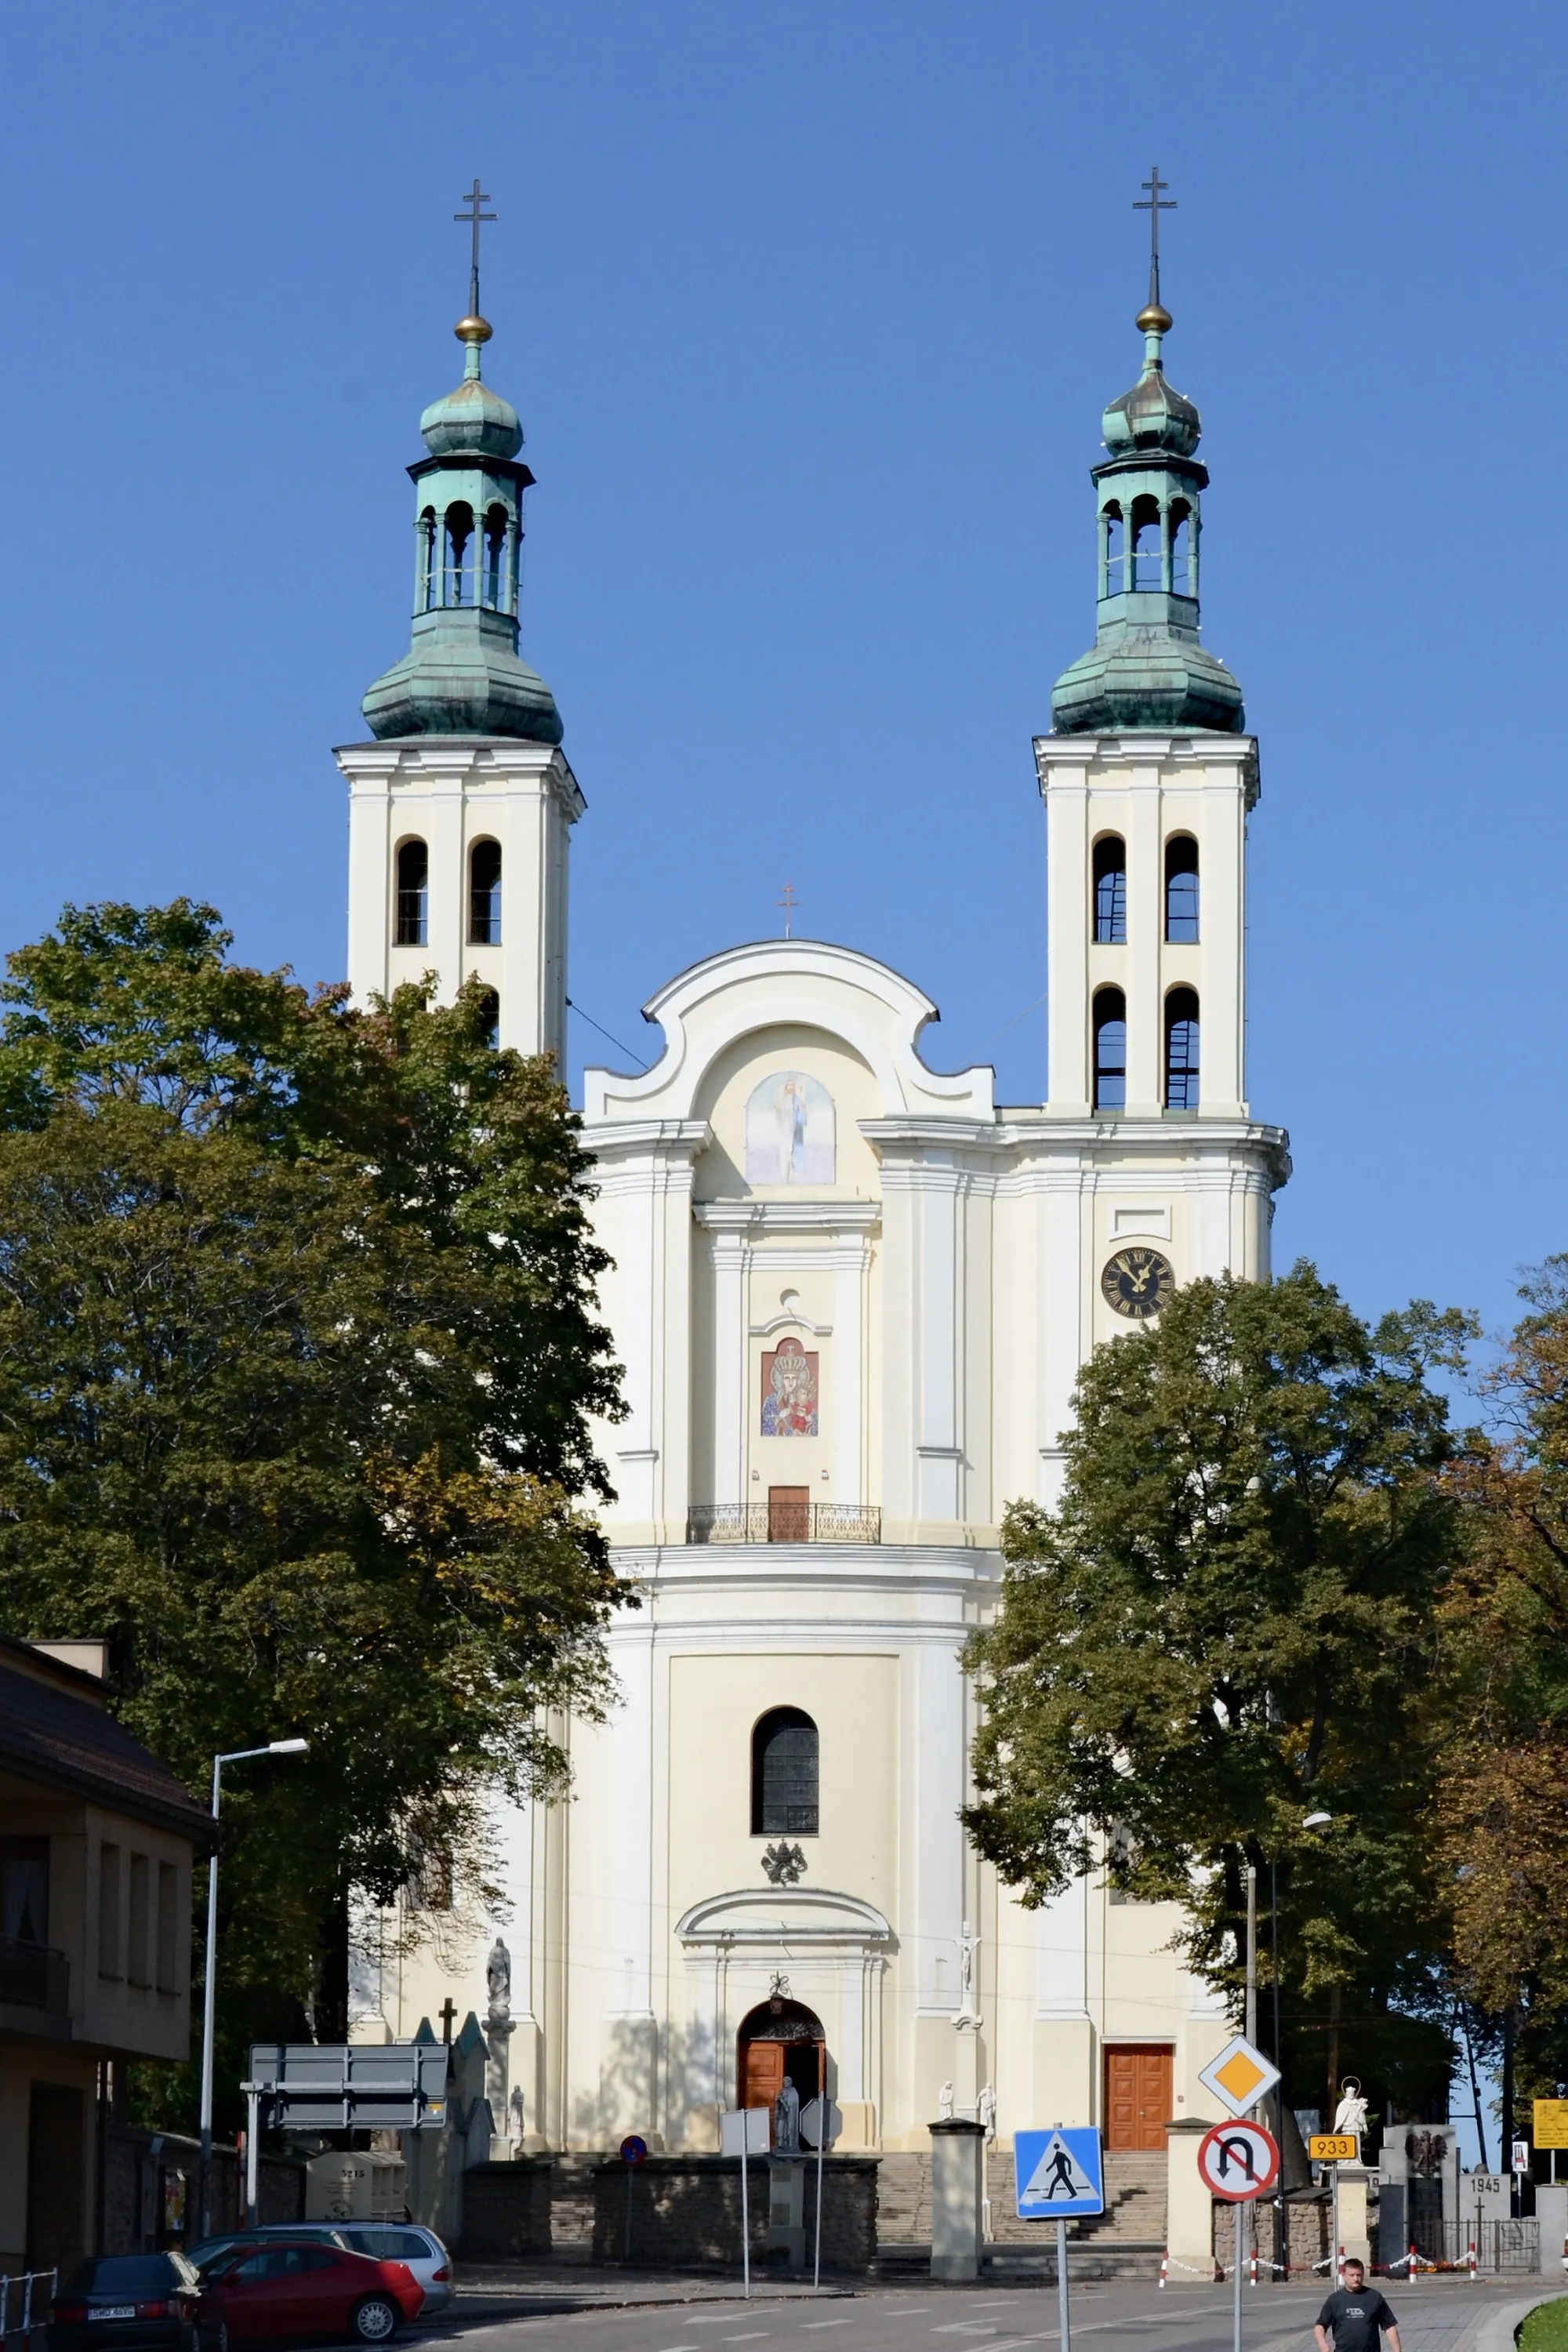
(811, 1919)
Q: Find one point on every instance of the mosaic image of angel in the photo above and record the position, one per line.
(789, 1130)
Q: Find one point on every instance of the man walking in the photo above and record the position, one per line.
(1352, 2318)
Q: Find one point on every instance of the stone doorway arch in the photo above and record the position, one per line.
(780, 2039)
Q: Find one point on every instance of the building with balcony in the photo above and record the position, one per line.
(98, 1841)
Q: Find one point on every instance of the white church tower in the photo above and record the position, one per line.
(460, 810)
(852, 1294)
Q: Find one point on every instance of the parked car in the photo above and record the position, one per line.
(128, 2303)
(304, 2286)
(403, 2242)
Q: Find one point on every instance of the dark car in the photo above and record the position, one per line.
(304, 2287)
(128, 2303)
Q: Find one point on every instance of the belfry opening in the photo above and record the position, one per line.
(780, 2041)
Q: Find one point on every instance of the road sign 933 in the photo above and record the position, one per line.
(1238, 2161)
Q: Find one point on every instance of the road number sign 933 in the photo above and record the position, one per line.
(1334, 2147)
(1238, 2161)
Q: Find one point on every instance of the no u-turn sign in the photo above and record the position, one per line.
(1238, 2161)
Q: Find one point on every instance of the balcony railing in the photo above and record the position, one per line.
(781, 1521)
(33, 1975)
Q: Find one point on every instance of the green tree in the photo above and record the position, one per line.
(297, 1354)
(1228, 1625)
(1504, 1796)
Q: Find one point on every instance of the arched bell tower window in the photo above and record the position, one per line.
(783, 1774)
(1182, 1049)
(413, 894)
(1111, 550)
(1183, 576)
(427, 568)
(1182, 889)
(1110, 1049)
(495, 558)
(1110, 891)
(459, 532)
(484, 894)
(1145, 555)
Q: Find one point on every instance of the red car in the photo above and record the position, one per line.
(302, 2287)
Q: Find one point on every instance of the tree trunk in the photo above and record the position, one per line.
(1334, 2058)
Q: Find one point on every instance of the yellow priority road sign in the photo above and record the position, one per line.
(1239, 2075)
(1333, 2148)
(1550, 2124)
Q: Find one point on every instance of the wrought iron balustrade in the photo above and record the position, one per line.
(782, 1521)
(34, 1976)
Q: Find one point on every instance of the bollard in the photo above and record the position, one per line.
(1165, 2266)
(1472, 2260)
(1252, 2268)
(1339, 2267)
(1414, 2259)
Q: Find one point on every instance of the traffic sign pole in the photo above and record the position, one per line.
(1064, 2314)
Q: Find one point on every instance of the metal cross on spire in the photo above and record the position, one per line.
(1154, 204)
(472, 214)
(788, 902)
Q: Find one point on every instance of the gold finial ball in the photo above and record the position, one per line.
(1152, 320)
(473, 329)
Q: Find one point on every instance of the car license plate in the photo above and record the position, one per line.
(112, 2311)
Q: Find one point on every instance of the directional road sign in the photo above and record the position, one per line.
(1238, 2161)
(745, 2131)
(1239, 2077)
(1056, 2173)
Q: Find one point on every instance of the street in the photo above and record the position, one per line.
(1435, 2316)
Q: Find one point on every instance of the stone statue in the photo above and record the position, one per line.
(945, 2104)
(1350, 2115)
(985, 2110)
(498, 1979)
(966, 1946)
(787, 2120)
(515, 2119)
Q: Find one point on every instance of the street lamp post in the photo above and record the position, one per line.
(235, 1756)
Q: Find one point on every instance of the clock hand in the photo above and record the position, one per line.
(1141, 1281)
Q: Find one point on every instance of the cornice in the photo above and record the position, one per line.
(651, 1139)
(1195, 751)
(787, 1216)
(456, 759)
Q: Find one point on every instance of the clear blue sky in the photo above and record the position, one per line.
(810, 311)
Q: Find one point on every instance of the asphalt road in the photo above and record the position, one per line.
(1119, 2317)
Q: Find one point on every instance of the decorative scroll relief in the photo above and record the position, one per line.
(790, 1135)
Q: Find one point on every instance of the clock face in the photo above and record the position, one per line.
(1138, 1282)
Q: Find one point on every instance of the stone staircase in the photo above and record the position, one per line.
(1124, 2241)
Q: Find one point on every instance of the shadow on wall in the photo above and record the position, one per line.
(658, 2085)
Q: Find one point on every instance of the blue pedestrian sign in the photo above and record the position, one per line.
(1057, 2173)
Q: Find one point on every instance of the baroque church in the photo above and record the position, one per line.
(851, 1295)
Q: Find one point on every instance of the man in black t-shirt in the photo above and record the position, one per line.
(1351, 2319)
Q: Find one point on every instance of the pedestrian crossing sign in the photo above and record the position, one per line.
(1057, 2172)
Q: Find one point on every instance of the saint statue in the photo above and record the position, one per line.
(787, 2120)
(985, 2110)
(498, 1979)
(945, 2104)
(1350, 2115)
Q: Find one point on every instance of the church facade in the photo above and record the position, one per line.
(851, 1295)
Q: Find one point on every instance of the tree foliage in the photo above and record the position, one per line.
(1227, 1624)
(298, 1357)
(1503, 1802)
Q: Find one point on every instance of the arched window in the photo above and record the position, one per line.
(783, 1774)
(1180, 890)
(428, 559)
(459, 531)
(495, 551)
(484, 894)
(1144, 557)
(490, 1018)
(413, 894)
(1110, 892)
(1111, 552)
(1110, 1049)
(1182, 1049)
(1181, 549)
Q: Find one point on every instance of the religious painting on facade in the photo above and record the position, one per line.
(789, 1130)
(789, 1391)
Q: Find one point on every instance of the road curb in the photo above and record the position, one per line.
(1498, 2329)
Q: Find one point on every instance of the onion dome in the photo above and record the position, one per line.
(473, 420)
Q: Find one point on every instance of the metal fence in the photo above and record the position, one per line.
(1501, 2246)
(25, 2303)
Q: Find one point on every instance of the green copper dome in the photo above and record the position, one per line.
(1147, 668)
(462, 673)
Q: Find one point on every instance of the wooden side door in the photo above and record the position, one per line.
(789, 1514)
(762, 2074)
(1139, 2078)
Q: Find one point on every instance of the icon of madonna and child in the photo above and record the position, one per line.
(789, 1391)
